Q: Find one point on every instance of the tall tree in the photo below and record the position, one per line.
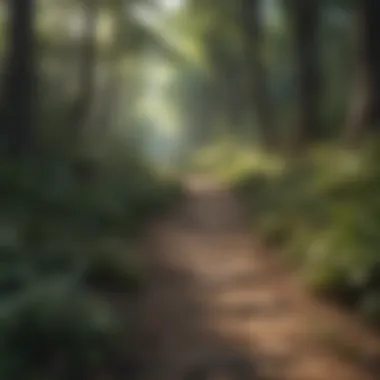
(84, 103)
(305, 21)
(258, 87)
(18, 98)
(364, 113)
(87, 65)
(218, 28)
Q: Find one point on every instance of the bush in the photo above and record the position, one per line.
(112, 267)
(64, 241)
(55, 328)
(324, 211)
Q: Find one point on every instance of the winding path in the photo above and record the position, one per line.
(217, 306)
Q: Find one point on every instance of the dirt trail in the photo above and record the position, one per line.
(215, 302)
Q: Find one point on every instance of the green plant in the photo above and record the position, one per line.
(325, 212)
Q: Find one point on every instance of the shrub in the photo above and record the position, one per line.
(64, 241)
(324, 211)
(56, 328)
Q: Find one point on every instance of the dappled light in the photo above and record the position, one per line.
(189, 190)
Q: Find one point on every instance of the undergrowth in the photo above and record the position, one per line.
(65, 244)
(323, 211)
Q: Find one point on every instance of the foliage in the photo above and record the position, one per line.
(229, 158)
(68, 224)
(324, 211)
(64, 242)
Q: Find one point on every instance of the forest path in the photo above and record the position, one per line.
(215, 302)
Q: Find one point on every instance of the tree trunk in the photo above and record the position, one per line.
(18, 100)
(305, 25)
(364, 112)
(258, 92)
(83, 109)
(87, 68)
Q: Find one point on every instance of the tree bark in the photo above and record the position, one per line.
(81, 121)
(87, 67)
(305, 26)
(258, 92)
(364, 112)
(18, 98)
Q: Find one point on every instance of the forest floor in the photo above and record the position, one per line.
(216, 302)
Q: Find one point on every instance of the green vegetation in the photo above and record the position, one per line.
(78, 186)
(322, 210)
(65, 245)
(296, 87)
(101, 105)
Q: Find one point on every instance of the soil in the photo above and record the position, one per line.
(219, 306)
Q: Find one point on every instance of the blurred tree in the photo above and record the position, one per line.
(87, 69)
(19, 87)
(259, 96)
(364, 115)
(305, 20)
(218, 31)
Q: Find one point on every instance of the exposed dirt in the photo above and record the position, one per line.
(217, 306)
